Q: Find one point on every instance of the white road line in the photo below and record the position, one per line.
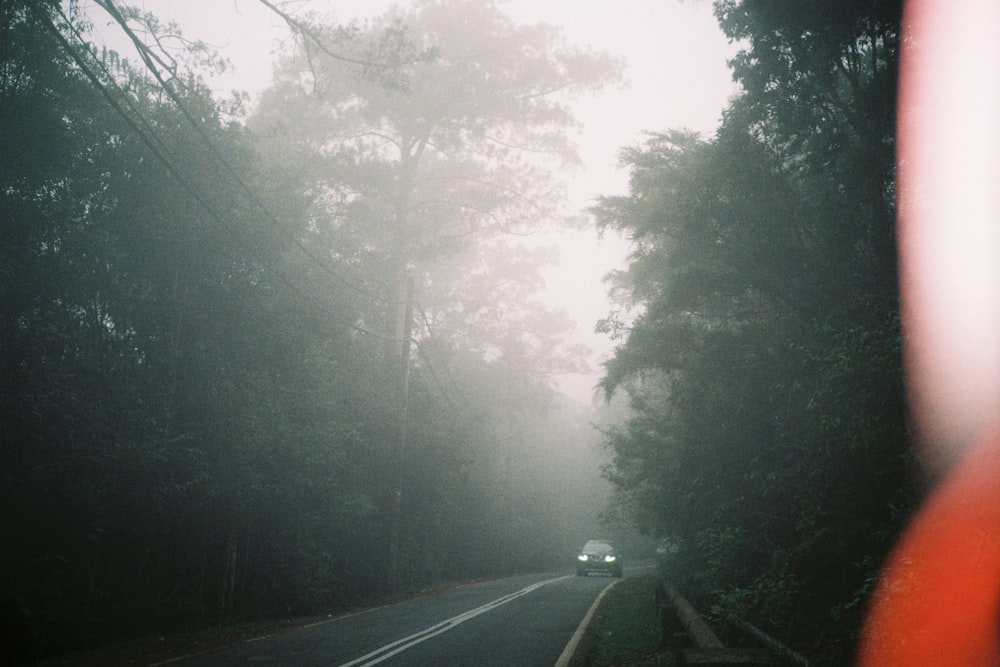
(567, 655)
(400, 645)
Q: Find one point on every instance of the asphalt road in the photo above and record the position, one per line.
(521, 621)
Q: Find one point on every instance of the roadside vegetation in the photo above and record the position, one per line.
(268, 363)
(760, 334)
(625, 629)
(271, 362)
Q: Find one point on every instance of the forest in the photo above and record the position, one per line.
(281, 362)
(768, 430)
(273, 361)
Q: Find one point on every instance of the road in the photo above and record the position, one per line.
(523, 621)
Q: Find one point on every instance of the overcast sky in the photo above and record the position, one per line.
(675, 58)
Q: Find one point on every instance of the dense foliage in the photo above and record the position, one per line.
(762, 359)
(199, 412)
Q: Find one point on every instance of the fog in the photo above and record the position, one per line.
(307, 328)
(673, 58)
(308, 306)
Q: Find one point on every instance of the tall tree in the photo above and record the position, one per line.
(451, 148)
(160, 403)
(196, 398)
(763, 360)
(438, 157)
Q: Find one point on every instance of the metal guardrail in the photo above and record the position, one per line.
(695, 643)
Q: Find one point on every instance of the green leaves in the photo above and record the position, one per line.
(198, 411)
(762, 362)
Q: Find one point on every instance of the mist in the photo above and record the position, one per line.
(305, 309)
(280, 357)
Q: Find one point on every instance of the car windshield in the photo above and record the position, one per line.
(597, 547)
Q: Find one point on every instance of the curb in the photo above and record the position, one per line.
(567, 657)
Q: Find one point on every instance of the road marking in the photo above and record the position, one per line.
(400, 645)
(567, 655)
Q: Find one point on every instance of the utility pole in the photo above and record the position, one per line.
(399, 450)
(400, 325)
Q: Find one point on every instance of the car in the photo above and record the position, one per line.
(599, 556)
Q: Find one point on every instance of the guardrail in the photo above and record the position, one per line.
(694, 642)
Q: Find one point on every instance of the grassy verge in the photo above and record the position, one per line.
(625, 630)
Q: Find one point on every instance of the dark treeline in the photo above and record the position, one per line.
(203, 323)
(213, 318)
(763, 362)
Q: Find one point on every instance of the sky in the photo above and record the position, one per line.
(675, 58)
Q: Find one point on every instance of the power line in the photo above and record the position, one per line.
(140, 126)
(148, 59)
(447, 369)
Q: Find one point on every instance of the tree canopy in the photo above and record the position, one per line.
(199, 411)
(437, 160)
(762, 356)
(217, 323)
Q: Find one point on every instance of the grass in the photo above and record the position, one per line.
(625, 631)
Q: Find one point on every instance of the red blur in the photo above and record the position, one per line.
(938, 601)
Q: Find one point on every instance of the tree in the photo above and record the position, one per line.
(441, 156)
(152, 328)
(763, 361)
(447, 151)
(197, 396)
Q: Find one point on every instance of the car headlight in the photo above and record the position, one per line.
(610, 558)
(582, 557)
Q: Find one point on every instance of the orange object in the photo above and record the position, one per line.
(938, 602)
